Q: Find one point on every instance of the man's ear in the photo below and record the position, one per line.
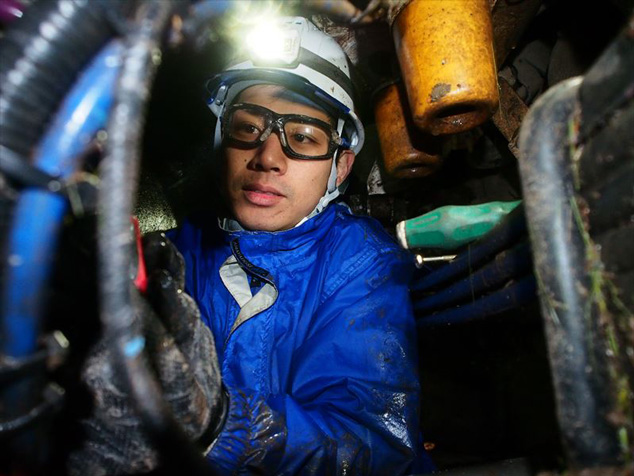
(344, 165)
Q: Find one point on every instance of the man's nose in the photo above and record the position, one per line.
(270, 156)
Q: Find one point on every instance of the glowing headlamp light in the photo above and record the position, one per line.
(272, 42)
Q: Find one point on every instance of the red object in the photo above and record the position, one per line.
(140, 281)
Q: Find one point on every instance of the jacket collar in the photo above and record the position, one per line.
(311, 231)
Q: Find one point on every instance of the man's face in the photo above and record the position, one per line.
(265, 189)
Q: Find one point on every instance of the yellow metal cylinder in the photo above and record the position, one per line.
(445, 50)
(407, 152)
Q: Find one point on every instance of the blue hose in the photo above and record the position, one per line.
(506, 265)
(499, 238)
(517, 294)
(39, 214)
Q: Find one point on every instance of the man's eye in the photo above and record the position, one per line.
(245, 129)
(307, 139)
(250, 128)
(302, 139)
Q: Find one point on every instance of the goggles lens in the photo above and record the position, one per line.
(301, 136)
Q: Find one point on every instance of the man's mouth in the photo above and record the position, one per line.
(262, 195)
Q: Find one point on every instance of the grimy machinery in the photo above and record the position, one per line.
(499, 150)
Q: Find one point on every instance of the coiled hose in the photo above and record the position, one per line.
(41, 56)
(489, 277)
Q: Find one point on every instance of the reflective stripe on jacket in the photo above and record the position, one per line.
(316, 340)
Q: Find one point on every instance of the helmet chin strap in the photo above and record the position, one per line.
(332, 191)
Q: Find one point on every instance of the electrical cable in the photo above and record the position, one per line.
(118, 186)
(514, 295)
(53, 397)
(505, 266)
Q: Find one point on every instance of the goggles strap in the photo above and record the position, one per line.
(332, 179)
(329, 196)
(332, 191)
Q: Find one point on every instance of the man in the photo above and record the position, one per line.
(307, 304)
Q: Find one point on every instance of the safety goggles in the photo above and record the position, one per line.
(302, 137)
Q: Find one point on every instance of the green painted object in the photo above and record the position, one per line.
(452, 226)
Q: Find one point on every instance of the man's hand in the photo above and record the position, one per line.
(180, 348)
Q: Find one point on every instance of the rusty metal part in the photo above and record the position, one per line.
(342, 10)
(510, 19)
(390, 8)
(374, 11)
(509, 116)
(369, 48)
(445, 51)
(388, 209)
(407, 152)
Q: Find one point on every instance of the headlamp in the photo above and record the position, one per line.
(271, 42)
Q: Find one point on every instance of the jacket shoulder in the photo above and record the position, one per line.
(360, 245)
(362, 234)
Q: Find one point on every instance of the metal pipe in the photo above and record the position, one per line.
(505, 266)
(516, 294)
(576, 358)
(506, 233)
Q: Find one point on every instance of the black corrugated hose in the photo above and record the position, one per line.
(41, 55)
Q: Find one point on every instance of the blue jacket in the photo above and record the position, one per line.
(316, 339)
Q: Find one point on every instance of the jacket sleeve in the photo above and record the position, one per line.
(352, 407)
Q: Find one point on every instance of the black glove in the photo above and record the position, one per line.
(180, 348)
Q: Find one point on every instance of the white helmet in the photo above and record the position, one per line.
(292, 52)
(303, 59)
